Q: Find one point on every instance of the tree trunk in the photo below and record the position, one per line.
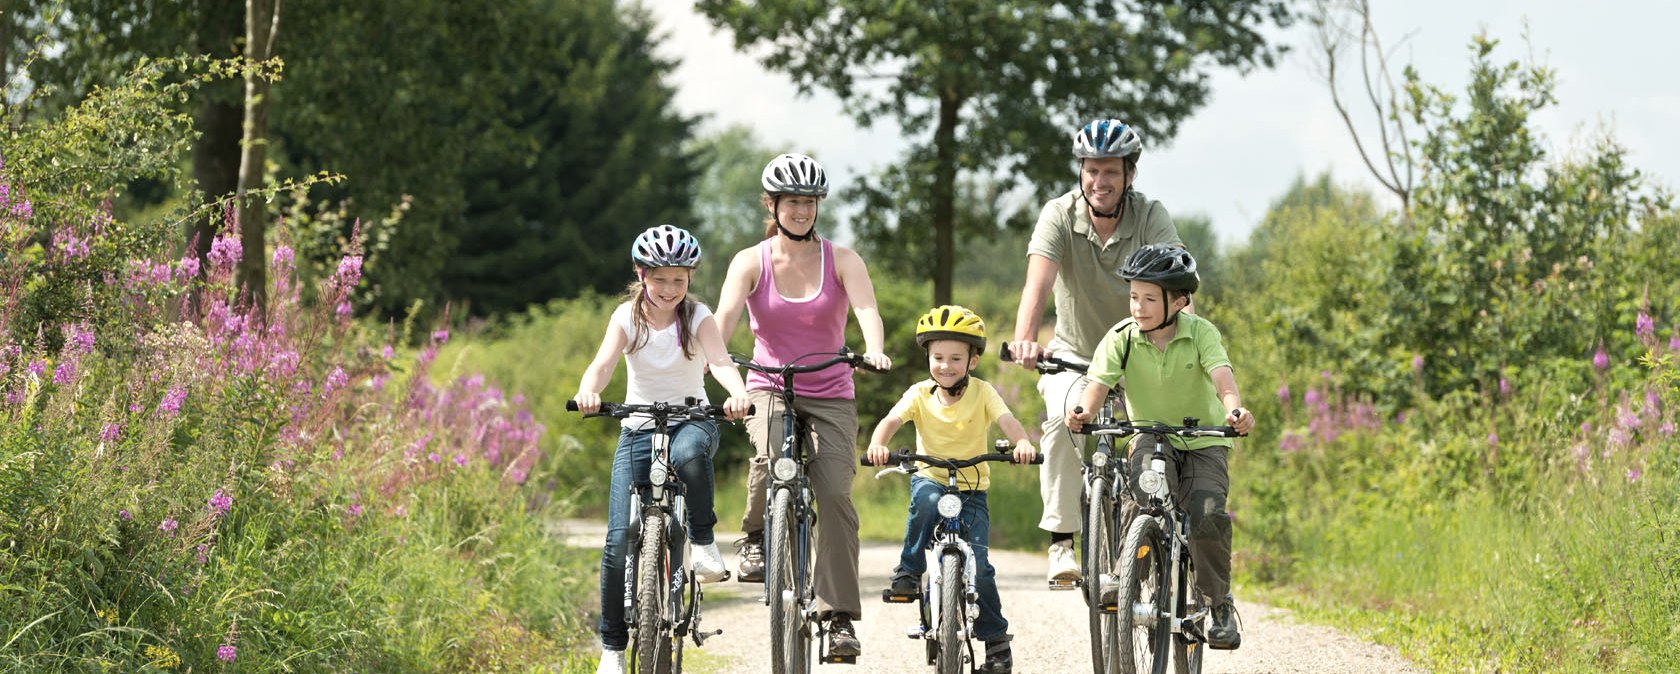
(214, 169)
(944, 197)
(262, 23)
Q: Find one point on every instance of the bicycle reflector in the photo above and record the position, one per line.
(784, 469)
(950, 505)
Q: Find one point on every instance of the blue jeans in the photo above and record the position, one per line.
(693, 443)
(976, 520)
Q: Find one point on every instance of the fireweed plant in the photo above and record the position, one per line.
(188, 485)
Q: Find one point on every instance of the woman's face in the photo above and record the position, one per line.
(796, 213)
(667, 286)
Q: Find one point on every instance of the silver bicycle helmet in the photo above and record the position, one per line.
(795, 174)
(666, 246)
(1106, 138)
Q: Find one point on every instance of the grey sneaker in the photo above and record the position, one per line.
(998, 658)
(1226, 632)
(842, 638)
(752, 557)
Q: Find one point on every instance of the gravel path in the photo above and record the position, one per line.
(1049, 627)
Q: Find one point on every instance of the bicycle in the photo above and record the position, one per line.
(1161, 619)
(659, 613)
(949, 601)
(788, 522)
(1107, 493)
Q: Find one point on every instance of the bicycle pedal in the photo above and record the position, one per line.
(839, 659)
(1109, 608)
(1064, 584)
(915, 632)
(890, 598)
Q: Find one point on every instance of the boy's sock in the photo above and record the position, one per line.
(1057, 537)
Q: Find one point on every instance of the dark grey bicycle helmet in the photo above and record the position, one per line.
(1167, 266)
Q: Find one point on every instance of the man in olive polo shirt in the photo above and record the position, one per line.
(1079, 244)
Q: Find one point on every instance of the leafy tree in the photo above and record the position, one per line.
(728, 215)
(997, 85)
(436, 106)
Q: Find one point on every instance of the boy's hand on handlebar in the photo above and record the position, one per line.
(1076, 418)
(878, 360)
(587, 403)
(878, 455)
(1024, 452)
(736, 408)
(1240, 419)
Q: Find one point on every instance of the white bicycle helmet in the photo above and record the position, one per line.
(795, 174)
(1106, 138)
(666, 246)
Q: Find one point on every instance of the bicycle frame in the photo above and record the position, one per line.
(950, 538)
(665, 498)
(788, 475)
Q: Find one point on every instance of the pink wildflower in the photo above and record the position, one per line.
(221, 503)
(172, 400)
(168, 526)
(125, 515)
(1601, 359)
(227, 652)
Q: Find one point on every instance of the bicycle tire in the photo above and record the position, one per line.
(950, 614)
(652, 643)
(1143, 644)
(1101, 546)
(788, 645)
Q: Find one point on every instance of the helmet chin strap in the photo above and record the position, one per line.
(953, 390)
(1164, 324)
(807, 236)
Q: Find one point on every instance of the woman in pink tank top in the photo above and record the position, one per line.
(796, 287)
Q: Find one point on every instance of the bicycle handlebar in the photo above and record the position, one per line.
(1127, 428)
(844, 355)
(691, 409)
(1045, 364)
(903, 457)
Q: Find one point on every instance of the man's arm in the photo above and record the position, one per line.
(1041, 277)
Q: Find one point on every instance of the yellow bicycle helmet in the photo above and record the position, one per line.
(951, 322)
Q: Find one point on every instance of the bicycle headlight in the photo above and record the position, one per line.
(1153, 483)
(784, 469)
(658, 473)
(950, 505)
(1099, 459)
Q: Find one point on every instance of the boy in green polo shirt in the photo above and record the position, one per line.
(952, 411)
(1175, 366)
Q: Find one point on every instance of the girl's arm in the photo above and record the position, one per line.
(737, 284)
(1225, 384)
(722, 369)
(1090, 400)
(884, 432)
(600, 371)
(1013, 430)
(854, 277)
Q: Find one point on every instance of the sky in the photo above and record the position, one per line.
(1614, 62)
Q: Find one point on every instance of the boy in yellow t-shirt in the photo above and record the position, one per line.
(952, 412)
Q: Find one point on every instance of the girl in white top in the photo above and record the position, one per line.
(667, 340)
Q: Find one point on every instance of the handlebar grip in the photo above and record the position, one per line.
(571, 406)
(1004, 353)
(864, 460)
(1038, 459)
(1078, 409)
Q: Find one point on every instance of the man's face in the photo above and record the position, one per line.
(1103, 180)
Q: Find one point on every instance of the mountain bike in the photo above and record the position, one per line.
(1160, 617)
(789, 525)
(1105, 504)
(661, 599)
(949, 600)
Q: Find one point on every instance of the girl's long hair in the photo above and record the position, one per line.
(636, 295)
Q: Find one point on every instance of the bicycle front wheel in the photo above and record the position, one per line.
(789, 649)
(1101, 545)
(950, 614)
(1187, 654)
(1144, 600)
(653, 568)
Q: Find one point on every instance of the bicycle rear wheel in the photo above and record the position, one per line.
(789, 647)
(1144, 635)
(652, 644)
(950, 614)
(1101, 546)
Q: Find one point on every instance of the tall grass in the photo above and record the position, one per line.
(187, 483)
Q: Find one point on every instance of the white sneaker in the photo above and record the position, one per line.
(612, 662)
(707, 563)
(1064, 564)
